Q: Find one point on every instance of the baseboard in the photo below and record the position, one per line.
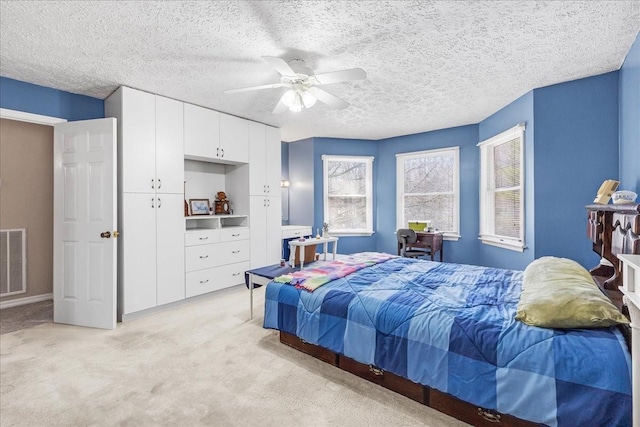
(26, 300)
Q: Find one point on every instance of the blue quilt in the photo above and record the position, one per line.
(452, 327)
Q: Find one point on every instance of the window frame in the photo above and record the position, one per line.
(368, 161)
(401, 222)
(487, 233)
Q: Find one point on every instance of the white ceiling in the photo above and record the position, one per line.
(430, 64)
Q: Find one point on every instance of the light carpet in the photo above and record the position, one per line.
(201, 363)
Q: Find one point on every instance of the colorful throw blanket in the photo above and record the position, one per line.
(314, 277)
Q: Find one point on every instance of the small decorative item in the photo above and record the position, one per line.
(199, 206)
(605, 191)
(624, 197)
(282, 262)
(317, 233)
(222, 204)
(325, 229)
(184, 195)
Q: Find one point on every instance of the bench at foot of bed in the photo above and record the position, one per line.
(435, 399)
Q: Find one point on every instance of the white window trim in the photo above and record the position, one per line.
(486, 176)
(368, 160)
(400, 158)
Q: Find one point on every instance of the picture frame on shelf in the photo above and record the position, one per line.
(199, 206)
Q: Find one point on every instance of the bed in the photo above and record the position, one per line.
(447, 333)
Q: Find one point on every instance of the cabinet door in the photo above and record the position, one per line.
(138, 142)
(273, 239)
(169, 146)
(170, 248)
(234, 139)
(257, 159)
(258, 230)
(273, 161)
(137, 257)
(201, 133)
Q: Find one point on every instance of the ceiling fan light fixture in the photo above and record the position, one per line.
(289, 98)
(308, 99)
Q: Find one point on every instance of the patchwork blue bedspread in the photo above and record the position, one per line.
(452, 327)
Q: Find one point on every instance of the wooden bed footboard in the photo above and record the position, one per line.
(435, 399)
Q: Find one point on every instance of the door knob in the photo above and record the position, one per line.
(116, 234)
(105, 235)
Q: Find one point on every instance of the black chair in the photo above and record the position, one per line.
(406, 237)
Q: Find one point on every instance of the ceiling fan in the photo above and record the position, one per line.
(302, 84)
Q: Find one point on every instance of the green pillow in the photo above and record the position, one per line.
(560, 293)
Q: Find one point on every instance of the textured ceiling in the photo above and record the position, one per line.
(430, 64)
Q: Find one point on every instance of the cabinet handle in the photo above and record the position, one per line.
(218, 152)
(236, 274)
(268, 189)
(152, 204)
(235, 235)
(297, 233)
(268, 202)
(264, 202)
(204, 281)
(264, 188)
(159, 183)
(203, 238)
(235, 252)
(222, 152)
(159, 202)
(204, 257)
(152, 183)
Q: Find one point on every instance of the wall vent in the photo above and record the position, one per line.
(13, 261)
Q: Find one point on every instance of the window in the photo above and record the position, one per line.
(348, 205)
(428, 189)
(502, 189)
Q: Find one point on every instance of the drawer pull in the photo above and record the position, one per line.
(203, 238)
(236, 274)
(376, 371)
(204, 281)
(204, 257)
(235, 252)
(235, 235)
(489, 415)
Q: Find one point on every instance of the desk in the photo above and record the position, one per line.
(293, 244)
(431, 241)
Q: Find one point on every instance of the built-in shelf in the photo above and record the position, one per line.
(208, 222)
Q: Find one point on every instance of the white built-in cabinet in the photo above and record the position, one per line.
(211, 136)
(151, 177)
(265, 194)
(163, 256)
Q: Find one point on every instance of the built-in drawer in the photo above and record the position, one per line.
(293, 231)
(213, 279)
(201, 237)
(234, 233)
(214, 255)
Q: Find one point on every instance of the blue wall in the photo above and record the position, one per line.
(576, 148)
(343, 147)
(519, 111)
(301, 189)
(465, 137)
(30, 98)
(630, 119)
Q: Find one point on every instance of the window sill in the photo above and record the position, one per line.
(354, 234)
(451, 237)
(515, 246)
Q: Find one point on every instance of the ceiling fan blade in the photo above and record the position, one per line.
(341, 76)
(247, 89)
(280, 65)
(280, 108)
(327, 98)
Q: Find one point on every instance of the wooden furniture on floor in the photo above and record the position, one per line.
(428, 396)
(432, 241)
(613, 230)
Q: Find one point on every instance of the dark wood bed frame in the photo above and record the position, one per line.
(433, 398)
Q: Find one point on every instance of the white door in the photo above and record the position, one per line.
(234, 139)
(138, 145)
(258, 230)
(169, 146)
(257, 160)
(273, 247)
(85, 223)
(170, 248)
(138, 256)
(273, 161)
